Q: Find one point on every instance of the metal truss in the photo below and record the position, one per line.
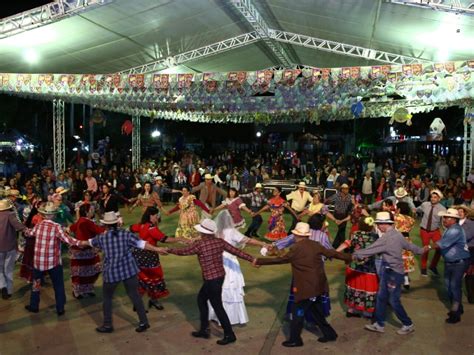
(59, 146)
(136, 142)
(468, 142)
(454, 6)
(342, 48)
(46, 14)
(251, 14)
(215, 48)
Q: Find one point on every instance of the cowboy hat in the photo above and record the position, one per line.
(399, 180)
(301, 229)
(467, 210)
(344, 186)
(207, 226)
(400, 192)
(61, 190)
(437, 192)
(110, 218)
(12, 192)
(302, 184)
(5, 205)
(451, 212)
(48, 209)
(158, 178)
(383, 218)
(258, 185)
(208, 177)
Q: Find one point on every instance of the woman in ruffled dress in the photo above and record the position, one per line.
(233, 286)
(85, 261)
(361, 277)
(150, 278)
(147, 198)
(188, 214)
(404, 224)
(234, 204)
(276, 224)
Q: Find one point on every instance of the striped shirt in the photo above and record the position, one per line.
(49, 236)
(117, 245)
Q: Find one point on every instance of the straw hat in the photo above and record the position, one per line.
(208, 177)
(207, 226)
(302, 184)
(110, 218)
(400, 192)
(451, 212)
(158, 178)
(383, 218)
(301, 229)
(48, 209)
(61, 190)
(258, 185)
(5, 205)
(437, 192)
(344, 186)
(12, 192)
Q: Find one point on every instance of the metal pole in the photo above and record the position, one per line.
(59, 147)
(467, 162)
(71, 120)
(91, 131)
(136, 142)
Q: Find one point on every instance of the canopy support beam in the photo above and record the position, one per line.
(59, 146)
(136, 142)
(44, 15)
(255, 19)
(343, 48)
(453, 6)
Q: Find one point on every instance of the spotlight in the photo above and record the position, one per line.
(155, 134)
(258, 134)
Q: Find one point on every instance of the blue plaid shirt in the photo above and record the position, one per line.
(117, 245)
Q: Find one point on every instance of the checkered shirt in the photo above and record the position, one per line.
(209, 251)
(257, 199)
(117, 245)
(49, 236)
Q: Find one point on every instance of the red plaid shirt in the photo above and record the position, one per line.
(209, 251)
(49, 235)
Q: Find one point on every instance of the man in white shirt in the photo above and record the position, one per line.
(299, 199)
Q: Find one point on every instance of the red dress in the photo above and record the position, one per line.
(150, 277)
(26, 269)
(85, 262)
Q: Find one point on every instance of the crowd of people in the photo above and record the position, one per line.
(81, 206)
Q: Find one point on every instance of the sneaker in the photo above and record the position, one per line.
(434, 270)
(375, 327)
(406, 329)
(423, 272)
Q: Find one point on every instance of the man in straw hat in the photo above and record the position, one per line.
(465, 221)
(208, 191)
(209, 250)
(257, 201)
(120, 267)
(399, 195)
(309, 283)
(47, 258)
(9, 225)
(430, 229)
(299, 199)
(390, 246)
(456, 255)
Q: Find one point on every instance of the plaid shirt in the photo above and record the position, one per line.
(257, 199)
(209, 251)
(49, 236)
(342, 204)
(117, 245)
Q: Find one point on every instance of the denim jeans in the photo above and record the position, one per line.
(257, 220)
(453, 274)
(7, 266)
(56, 275)
(390, 291)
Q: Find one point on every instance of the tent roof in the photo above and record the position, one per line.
(124, 34)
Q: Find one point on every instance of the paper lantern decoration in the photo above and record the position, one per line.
(97, 118)
(401, 115)
(127, 127)
(437, 126)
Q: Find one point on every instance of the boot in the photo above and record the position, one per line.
(454, 317)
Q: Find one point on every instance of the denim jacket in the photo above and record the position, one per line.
(453, 244)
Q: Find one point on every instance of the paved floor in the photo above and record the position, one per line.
(267, 289)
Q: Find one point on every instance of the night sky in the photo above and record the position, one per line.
(10, 8)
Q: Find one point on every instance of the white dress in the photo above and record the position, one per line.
(233, 287)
